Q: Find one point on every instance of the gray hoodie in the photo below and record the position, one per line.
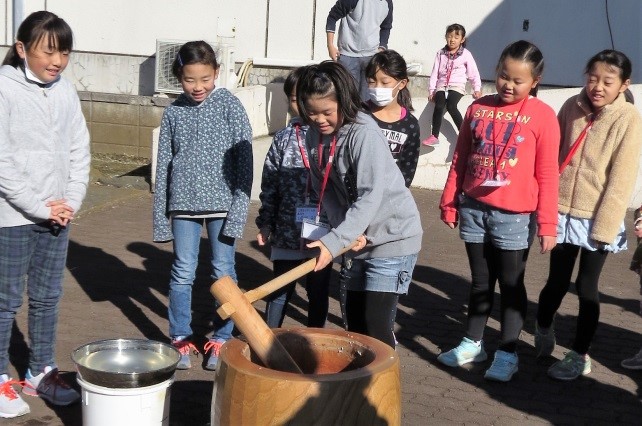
(44, 148)
(364, 26)
(366, 193)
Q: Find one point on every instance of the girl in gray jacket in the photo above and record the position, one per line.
(365, 198)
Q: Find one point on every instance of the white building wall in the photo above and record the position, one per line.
(568, 32)
(116, 41)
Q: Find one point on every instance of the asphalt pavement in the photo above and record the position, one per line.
(116, 286)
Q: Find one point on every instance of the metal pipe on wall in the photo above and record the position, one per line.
(314, 26)
(267, 26)
(18, 11)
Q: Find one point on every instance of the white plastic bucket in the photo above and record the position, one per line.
(132, 406)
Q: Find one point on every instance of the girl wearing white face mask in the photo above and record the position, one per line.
(390, 105)
(44, 172)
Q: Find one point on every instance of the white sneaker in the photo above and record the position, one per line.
(49, 386)
(11, 404)
(467, 351)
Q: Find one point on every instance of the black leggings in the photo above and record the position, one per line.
(442, 105)
(317, 287)
(559, 280)
(489, 264)
(372, 313)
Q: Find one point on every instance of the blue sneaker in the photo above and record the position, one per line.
(571, 367)
(467, 351)
(503, 367)
(633, 363)
(213, 346)
(49, 386)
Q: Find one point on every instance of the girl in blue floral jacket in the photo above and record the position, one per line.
(203, 176)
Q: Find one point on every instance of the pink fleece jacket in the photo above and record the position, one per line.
(464, 69)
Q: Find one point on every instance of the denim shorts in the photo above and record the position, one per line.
(385, 274)
(479, 223)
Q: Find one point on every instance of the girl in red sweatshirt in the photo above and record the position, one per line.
(503, 179)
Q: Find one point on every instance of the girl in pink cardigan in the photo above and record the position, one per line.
(454, 65)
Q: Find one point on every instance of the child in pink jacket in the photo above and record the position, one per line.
(454, 65)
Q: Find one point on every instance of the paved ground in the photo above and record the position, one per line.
(116, 286)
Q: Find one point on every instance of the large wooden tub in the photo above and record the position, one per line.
(349, 379)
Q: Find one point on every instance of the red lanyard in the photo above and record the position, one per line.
(306, 162)
(577, 143)
(501, 155)
(450, 64)
(326, 173)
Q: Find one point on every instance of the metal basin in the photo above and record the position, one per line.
(125, 363)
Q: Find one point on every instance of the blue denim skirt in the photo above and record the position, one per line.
(384, 274)
(479, 223)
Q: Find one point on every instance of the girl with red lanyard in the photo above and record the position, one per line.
(454, 66)
(286, 199)
(503, 179)
(365, 198)
(599, 156)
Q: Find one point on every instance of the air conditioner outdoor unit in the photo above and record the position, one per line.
(166, 51)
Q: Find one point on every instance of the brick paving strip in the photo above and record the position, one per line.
(116, 286)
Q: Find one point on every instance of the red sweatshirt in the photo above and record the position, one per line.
(526, 149)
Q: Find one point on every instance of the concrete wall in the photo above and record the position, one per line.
(120, 124)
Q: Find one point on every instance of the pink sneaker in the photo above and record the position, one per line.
(431, 141)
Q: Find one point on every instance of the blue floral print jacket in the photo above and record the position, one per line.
(204, 162)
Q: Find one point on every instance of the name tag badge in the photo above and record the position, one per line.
(305, 212)
(494, 182)
(312, 230)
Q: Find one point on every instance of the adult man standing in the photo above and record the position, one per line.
(364, 30)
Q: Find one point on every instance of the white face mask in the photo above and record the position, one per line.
(31, 76)
(382, 96)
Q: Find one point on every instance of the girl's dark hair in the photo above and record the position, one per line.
(524, 51)
(329, 79)
(193, 52)
(393, 64)
(458, 28)
(613, 58)
(34, 28)
(291, 80)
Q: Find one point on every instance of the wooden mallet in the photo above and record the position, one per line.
(259, 336)
(238, 305)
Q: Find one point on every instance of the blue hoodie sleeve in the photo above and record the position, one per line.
(243, 169)
(162, 230)
(386, 26)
